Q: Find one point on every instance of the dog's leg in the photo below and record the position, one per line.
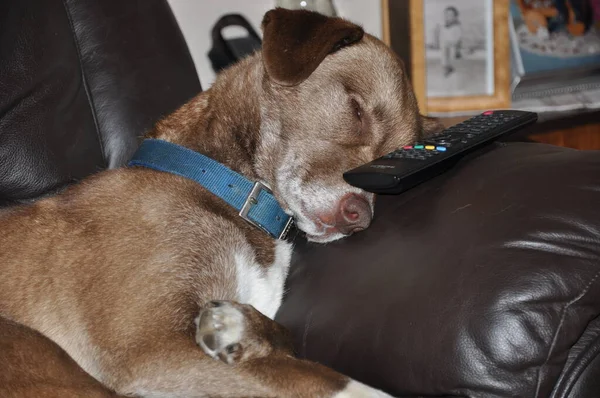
(239, 334)
(175, 367)
(233, 332)
(251, 357)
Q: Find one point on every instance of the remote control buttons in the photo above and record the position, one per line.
(418, 152)
(488, 113)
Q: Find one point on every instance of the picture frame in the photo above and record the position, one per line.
(406, 29)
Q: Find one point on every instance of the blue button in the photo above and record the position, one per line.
(441, 148)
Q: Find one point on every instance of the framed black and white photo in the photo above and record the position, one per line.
(459, 47)
(458, 52)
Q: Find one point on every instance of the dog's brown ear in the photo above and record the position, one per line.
(295, 42)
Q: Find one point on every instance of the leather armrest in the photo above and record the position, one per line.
(476, 283)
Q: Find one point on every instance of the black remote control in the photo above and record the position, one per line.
(407, 167)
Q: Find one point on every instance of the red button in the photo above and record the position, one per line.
(487, 113)
(407, 147)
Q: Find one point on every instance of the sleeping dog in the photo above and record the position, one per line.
(161, 279)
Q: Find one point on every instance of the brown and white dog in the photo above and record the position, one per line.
(157, 288)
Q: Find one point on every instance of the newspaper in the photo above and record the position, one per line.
(575, 99)
(572, 98)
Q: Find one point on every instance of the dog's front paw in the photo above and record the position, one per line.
(220, 328)
(234, 332)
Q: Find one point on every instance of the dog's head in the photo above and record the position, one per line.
(334, 98)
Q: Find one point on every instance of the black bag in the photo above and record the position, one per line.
(227, 52)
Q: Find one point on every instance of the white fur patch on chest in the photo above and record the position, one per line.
(259, 286)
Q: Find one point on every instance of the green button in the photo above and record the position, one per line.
(418, 146)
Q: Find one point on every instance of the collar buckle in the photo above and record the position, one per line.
(286, 229)
(251, 200)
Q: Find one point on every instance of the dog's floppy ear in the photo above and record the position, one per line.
(295, 42)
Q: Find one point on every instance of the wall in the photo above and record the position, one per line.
(196, 18)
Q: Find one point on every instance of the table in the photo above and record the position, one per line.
(572, 129)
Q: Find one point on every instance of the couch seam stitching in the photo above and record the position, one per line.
(559, 327)
(85, 83)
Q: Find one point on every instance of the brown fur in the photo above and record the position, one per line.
(116, 268)
(33, 366)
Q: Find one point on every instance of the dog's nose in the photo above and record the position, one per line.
(353, 215)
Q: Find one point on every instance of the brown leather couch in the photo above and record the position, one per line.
(483, 282)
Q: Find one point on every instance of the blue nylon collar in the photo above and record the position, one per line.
(254, 202)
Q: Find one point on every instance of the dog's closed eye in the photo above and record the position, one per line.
(359, 115)
(356, 108)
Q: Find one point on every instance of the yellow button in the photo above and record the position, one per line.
(429, 147)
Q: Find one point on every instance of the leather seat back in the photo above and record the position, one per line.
(80, 82)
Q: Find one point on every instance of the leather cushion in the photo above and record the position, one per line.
(80, 81)
(137, 66)
(45, 119)
(475, 283)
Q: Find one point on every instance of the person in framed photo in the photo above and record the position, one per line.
(449, 37)
(458, 50)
